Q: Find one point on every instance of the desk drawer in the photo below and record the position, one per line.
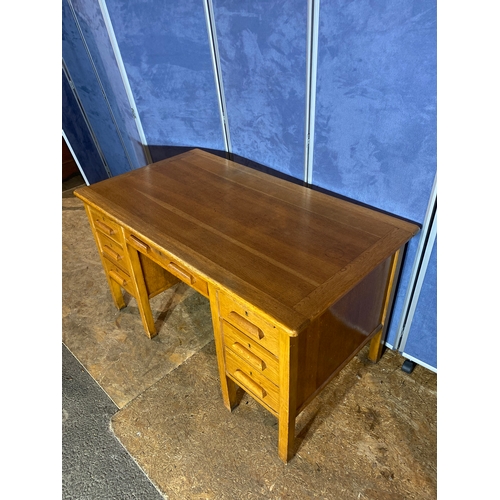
(250, 323)
(104, 225)
(113, 251)
(120, 276)
(252, 381)
(246, 348)
(169, 263)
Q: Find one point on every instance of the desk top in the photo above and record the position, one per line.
(288, 250)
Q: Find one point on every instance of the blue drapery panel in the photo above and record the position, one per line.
(375, 127)
(422, 338)
(375, 135)
(79, 137)
(166, 53)
(90, 19)
(90, 93)
(262, 48)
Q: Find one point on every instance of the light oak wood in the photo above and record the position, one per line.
(287, 412)
(141, 295)
(252, 381)
(250, 350)
(114, 287)
(298, 281)
(377, 343)
(249, 320)
(175, 270)
(228, 387)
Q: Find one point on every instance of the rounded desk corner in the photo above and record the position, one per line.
(296, 331)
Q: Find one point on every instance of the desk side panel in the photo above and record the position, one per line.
(333, 338)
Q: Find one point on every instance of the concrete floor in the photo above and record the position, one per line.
(95, 465)
(148, 420)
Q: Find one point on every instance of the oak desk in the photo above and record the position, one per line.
(298, 281)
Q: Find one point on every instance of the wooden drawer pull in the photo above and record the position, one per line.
(248, 382)
(181, 273)
(137, 242)
(244, 324)
(121, 281)
(111, 253)
(104, 227)
(248, 356)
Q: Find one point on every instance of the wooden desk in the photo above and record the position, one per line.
(298, 281)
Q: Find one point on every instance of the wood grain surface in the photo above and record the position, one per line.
(288, 250)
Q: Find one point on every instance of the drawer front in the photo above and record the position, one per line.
(250, 323)
(120, 276)
(104, 225)
(169, 263)
(252, 381)
(113, 252)
(246, 348)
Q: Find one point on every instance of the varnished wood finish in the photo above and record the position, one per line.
(251, 351)
(298, 281)
(228, 387)
(285, 249)
(113, 285)
(334, 337)
(377, 343)
(173, 270)
(289, 377)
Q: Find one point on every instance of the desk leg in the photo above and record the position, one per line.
(376, 346)
(288, 356)
(377, 343)
(142, 297)
(228, 387)
(116, 293)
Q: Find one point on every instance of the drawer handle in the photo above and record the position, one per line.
(248, 356)
(181, 273)
(136, 241)
(104, 227)
(111, 253)
(248, 382)
(121, 281)
(244, 324)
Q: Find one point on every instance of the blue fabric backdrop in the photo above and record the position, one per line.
(79, 137)
(375, 137)
(262, 48)
(375, 127)
(90, 19)
(422, 339)
(166, 53)
(84, 78)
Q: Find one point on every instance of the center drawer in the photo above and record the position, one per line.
(169, 263)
